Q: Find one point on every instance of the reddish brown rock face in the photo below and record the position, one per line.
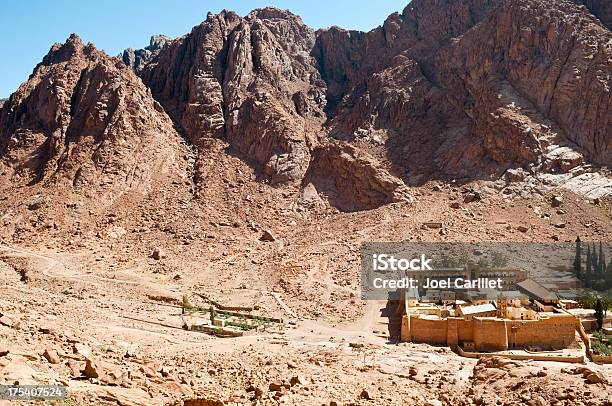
(530, 72)
(352, 180)
(474, 86)
(248, 80)
(85, 120)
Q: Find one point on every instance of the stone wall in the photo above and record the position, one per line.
(465, 330)
(490, 334)
(431, 331)
(526, 357)
(554, 332)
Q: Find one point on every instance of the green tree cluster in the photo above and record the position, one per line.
(592, 268)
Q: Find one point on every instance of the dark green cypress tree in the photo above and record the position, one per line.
(608, 277)
(599, 314)
(589, 267)
(601, 262)
(578, 260)
(602, 259)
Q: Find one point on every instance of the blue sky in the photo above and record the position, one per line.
(28, 28)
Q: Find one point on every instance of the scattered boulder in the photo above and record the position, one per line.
(36, 202)
(523, 229)
(158, 253)
(73, 366)
(82, 350)
(148, 371)
(538, 400)
(46, 329)
(557, 201)
(365, 395)
(267, 236)
(18, 371)
(51, 356)
(113, 375)
(92, 370)
(472, 195)
(584, 371)
(258, 393)
(164, 371)
(275, 386)
(516, 175)
(568, 160)
(116, 232)
(595, 377)
(310, 194)
(6, 321)
(298, 380)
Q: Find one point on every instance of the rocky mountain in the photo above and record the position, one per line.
(85, 121)
(137, 58)
(242, 167)
(447, 89)
(501, 84)
(248, 80)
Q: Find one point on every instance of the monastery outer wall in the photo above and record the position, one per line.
(554, 332)
(465, 330)
(405, 331)
(490, 334)
(431, 331)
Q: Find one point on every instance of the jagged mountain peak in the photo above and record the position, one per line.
(84, 119)
(271, 13)
(72, 47)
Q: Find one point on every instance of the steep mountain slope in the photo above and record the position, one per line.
(84, 120)
(249, 80)
(540, 63)
(475, 86)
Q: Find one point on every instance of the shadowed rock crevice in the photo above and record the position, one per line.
(351, 180)
(602, 9)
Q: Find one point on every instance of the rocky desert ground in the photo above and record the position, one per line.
(244, 164)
